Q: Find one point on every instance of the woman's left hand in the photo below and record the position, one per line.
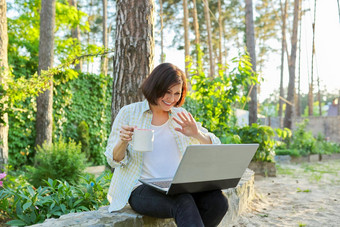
(188, 124)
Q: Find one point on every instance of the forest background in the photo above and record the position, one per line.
(88, 28)
(80, 31)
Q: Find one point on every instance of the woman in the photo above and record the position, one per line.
(174, 129)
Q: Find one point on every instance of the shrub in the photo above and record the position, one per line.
(84, 137)
(27, 205)
(212, 101)
(291, 152)
(303, 140)
(323, 146)
(63, 161)
(264, 136)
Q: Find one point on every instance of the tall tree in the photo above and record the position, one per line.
(186, 34)
(298, 98)
(283, 49)
(162, 40)
(220, 33)
(104, 60)
(75, 33)
(250, 41)
(291, 64)
(46, 47)
(209, 41)
(197, 37)
(134, 51)
(3, 85)
(311, 89)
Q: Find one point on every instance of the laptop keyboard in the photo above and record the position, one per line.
(162, 184)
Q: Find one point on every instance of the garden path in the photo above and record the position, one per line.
(306, 194)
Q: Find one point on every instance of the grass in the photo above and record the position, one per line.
(284, 170)
(300, 190)
(313, 171)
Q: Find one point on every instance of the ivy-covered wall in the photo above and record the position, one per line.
(86, 98)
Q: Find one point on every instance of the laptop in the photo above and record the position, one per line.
(206, 167)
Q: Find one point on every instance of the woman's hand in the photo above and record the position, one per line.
(126, 133)
(189, 128)
(188, 124)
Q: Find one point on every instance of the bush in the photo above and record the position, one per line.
(291, 152)
(264, 136)
(323, 146)
(27, 205)
(63, 161)
(84, 137)
(212, 101)
(303, 140)
(87, 98)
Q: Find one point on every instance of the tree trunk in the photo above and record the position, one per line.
(298, 102)
(75, 34)
(283, 49)
(311, 89)
(44, 119)
(104, 59)
(319, 97)
(292, 62)
(186, 35)
(134, 51)
(3, 79)
(250, 39)
(197, 39)
(220, 33)
(208, 25)
(162, 40)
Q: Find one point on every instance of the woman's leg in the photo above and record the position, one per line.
(182, 207)
(212, 205)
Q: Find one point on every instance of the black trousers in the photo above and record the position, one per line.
(188, 209)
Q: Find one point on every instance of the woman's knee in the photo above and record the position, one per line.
(218, 202)
(221, 202)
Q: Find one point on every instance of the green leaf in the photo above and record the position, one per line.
(26, 205)
(16, 223)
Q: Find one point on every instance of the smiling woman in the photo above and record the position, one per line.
(174, 129)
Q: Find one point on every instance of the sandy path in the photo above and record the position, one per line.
(306, 194)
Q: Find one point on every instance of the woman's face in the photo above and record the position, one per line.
(170, 98)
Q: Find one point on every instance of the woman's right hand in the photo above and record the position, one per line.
(126, 133)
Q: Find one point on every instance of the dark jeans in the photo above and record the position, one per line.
(195, 209)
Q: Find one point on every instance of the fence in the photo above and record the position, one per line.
(328, 126)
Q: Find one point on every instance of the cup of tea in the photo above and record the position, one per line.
(142, 140)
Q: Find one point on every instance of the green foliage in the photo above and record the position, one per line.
(283, 134)
(21, 136)
(86, 99)
(322, 146)
(291, 152)
(212, 100)
(264, 136)
(62, 161)
(84, 137)
(303, 140)
(27, 205)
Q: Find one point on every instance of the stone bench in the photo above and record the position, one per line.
(238, 201)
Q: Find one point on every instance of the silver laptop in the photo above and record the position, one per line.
(207, 167)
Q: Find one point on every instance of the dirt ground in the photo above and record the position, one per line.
(306, 194)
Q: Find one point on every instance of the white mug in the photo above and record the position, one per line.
(142, 140)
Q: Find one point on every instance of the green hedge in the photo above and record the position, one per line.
(86, 98)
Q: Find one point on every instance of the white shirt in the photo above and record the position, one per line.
(163, 161)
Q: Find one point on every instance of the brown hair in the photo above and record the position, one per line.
(161, 79)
